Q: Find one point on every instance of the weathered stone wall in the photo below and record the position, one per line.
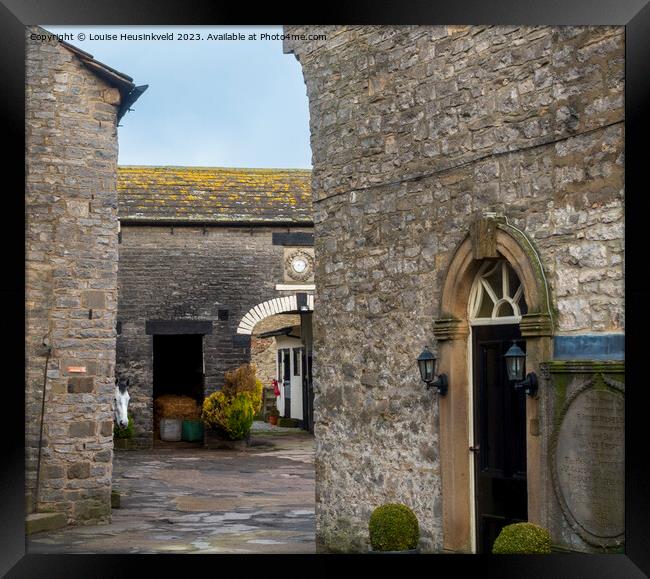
(190, 275)
(71, 271)
(416, 131)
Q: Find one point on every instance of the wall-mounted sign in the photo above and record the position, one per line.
(77, 369)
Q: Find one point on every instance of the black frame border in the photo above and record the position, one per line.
(633, 14)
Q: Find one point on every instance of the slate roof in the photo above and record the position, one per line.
(129, 93)
(213, 195)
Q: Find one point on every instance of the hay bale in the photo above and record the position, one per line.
(174, 406)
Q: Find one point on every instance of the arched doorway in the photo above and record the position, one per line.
(282, 327)
(494, 291)
(299, 303)
(498, 426)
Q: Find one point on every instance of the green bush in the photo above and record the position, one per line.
(393, 527)
(523, 538)
(230, 416)
(287, 422)
(244, 380)
(230, 411)
(127, 432)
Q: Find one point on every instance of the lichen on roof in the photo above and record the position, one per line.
(213, 194)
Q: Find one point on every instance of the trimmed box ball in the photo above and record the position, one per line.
(393, 527)
(522, 538)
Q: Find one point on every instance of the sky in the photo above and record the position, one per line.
(214, 103)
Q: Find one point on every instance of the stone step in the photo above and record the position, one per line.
(37, 522)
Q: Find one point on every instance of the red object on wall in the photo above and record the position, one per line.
(276, 388)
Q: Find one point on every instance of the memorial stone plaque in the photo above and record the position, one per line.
(589, 464)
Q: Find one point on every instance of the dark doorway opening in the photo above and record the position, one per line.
(284, 358)
(499, 435)
(178, 365)
(307, 393)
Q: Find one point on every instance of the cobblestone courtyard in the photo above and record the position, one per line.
(193, 500)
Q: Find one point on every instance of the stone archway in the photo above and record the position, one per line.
(270, 308)
(489, 237)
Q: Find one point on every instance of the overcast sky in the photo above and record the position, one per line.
(223, 103)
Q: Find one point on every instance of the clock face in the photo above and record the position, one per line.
(299, 265)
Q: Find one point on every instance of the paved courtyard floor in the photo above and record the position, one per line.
(194, 500)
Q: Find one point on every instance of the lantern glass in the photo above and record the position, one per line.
(427, 365)
(515, 360)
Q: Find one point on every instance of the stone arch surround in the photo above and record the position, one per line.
(268, 308)
(488, 238)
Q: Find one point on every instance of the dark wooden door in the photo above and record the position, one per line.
(499, 436)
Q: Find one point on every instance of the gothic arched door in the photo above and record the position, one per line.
(499, 410)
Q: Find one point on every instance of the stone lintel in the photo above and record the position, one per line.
(450, 329)
(536, 325)
(154, 327)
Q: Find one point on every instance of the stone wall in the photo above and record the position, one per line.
(71, 280)
(416, 132)
(191, 274)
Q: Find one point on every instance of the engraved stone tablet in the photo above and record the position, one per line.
(589, 461)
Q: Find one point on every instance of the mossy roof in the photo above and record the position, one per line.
(214, 194)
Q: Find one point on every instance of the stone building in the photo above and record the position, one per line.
(72, 106)
(207, 258)
(468, 191)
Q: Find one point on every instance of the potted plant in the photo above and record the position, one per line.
(227, 420)
(228, 413)
(522, 538)
(274, 414)
(393, 528)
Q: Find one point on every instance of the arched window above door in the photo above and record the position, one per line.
(497, 295)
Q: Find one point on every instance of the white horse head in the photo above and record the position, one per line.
(121, 402)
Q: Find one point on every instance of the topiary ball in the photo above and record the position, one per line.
(522, 538)
(393, 527)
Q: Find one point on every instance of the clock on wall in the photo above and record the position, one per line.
(299, 265)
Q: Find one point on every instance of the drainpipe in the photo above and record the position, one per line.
(40, 438)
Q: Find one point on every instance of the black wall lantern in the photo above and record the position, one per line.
(427, 366)
(515, 360)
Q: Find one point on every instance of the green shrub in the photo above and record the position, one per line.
(127, 432)
(287, 422)
(244, 380)
(393, 527)
(230, 411)
(522, 538)
(274, 411)
(230, 416)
